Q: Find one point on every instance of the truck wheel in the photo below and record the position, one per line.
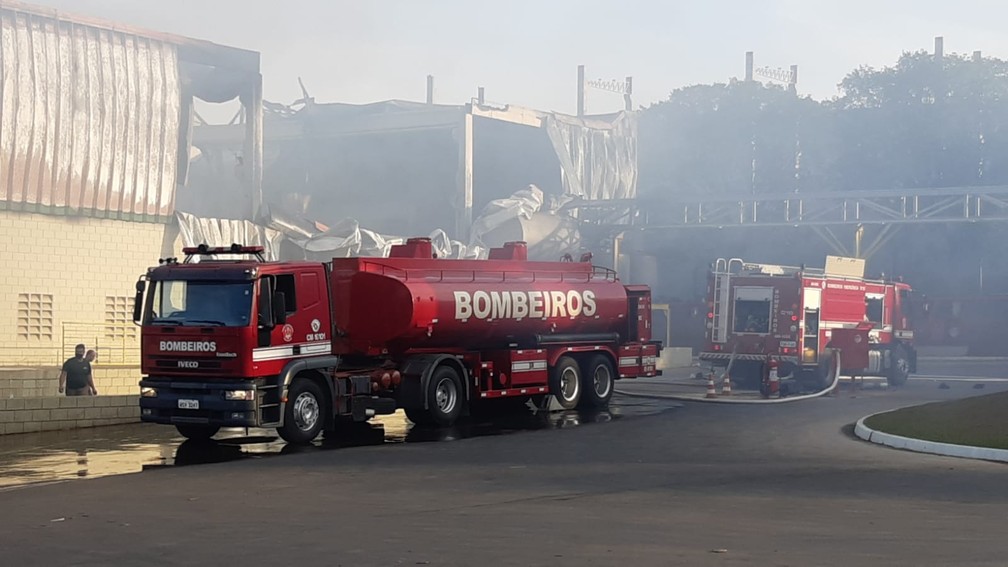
(597, 382)
(444, 399)
(899, 371)
(565, 382)
(303, 412)
(197, 432)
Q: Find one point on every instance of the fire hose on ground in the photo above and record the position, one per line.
(835, 367)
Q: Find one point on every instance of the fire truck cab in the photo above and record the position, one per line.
(797, 316)
(217, 325)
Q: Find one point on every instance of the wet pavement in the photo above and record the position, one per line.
(40, 458)
(89, 453)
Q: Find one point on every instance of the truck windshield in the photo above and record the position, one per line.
(192, 303)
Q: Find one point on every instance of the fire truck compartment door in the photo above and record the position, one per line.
(812, 299)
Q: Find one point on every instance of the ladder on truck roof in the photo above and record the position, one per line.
(722, 290)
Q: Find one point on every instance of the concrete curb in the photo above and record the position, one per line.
(939, 358)
(922, 446)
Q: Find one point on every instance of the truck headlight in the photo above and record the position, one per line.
(148, 392)
(239, 395)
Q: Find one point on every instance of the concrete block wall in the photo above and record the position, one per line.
(76, 262)
(675, 357)
(40, 382)
(29, 415)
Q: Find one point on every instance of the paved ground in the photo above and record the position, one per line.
(652, 482)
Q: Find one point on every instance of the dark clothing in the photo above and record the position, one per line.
(79, 392)
(77, 371)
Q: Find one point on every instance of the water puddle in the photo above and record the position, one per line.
(90, 453)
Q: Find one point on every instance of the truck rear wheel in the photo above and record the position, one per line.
(197, 432)
(565, 382)
(899, 370)
(597, 382)
(303, 413)
(444, 399)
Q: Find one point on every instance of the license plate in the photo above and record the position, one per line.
(188, 404)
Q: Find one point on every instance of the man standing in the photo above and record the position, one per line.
(76, 375)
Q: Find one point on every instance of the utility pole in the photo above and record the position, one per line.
(430, 89)
(749, 66)
(581, 91)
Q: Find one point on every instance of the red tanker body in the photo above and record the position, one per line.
(301, 345)
(401, 305)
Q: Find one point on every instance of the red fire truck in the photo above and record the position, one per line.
(792, 315)
(229, 340)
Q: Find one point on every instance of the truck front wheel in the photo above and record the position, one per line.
(565, 383)
(899, 370)
(303, 412)
(197, 432)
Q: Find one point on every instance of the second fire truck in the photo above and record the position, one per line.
(763, 314)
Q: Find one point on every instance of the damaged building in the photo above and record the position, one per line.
(106, 166)
(342, 179)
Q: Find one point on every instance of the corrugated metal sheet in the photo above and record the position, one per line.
(89, 119)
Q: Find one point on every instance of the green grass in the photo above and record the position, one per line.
(981, 421)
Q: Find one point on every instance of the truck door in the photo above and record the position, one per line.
(812, 302)
(281, 333)
(307, 319)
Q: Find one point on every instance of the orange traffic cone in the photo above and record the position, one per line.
(711, 392)
(726, 387)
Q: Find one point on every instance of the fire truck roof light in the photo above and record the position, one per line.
(203, 249)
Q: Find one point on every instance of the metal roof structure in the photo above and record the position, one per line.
(95, 115)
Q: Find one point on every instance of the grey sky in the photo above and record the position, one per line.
(526, 52)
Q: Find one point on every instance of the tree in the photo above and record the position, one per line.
(925, 122)
(727, 140)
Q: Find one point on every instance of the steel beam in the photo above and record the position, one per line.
(950, 204)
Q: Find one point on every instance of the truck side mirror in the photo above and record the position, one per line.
(138, 301)
(266, 311)
(279, 308)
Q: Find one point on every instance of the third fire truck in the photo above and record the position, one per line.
(764, 315)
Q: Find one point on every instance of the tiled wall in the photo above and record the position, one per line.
(67, 280)
(27, 415)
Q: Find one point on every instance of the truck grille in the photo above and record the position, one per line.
(188, 364)
(174, 364)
